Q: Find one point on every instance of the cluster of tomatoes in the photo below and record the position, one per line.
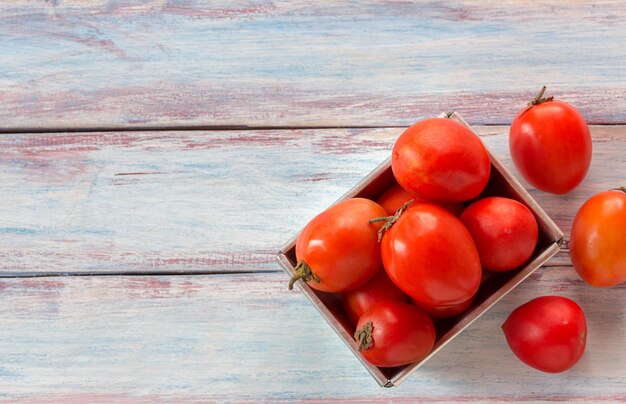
(418, 253)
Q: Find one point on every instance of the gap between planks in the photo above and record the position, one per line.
(209, 128)
(222, 128)
(12, 275)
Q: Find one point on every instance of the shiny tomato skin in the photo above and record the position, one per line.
(340, 246)
(396, 196)
(441, 160)
(379, 288)
(548, 333)
(402, 334)
(431, 256)
(550, 145)
(449, 311)
(504, 230)
(598, 239)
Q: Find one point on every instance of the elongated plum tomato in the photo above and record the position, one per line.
(504, 230)
(440, 312)
(431, 256)
(598, 239)
(396, 196)
(548, 333)
(379, 288)
(550, 145)
(338, 250)
(393, 333)
(441, 160)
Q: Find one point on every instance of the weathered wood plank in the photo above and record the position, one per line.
(204, 201)
(106, 64)
(170, 202)
(245, 337)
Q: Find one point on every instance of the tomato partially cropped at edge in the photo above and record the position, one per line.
(548, 333)
(598, 239)
(380, 288)
(394, 333)
(431, 256)
(550, 145)
(441, 160)
(338, 250)
(396, 196)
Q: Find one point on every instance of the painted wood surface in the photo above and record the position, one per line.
(155, 63)
(246, 337)
(186, 201)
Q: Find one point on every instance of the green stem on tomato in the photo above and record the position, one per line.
(304, 272)
(389, 220)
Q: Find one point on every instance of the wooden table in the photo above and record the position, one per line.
(154, 157)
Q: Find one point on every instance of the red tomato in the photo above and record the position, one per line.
(441, 160)
(377, 289)
(550, 145)
(338, 250)
(431, 256)
(548, 333)
(393, 333)
(504, 230)
(396, 196)
(440, 312)
(598, 239)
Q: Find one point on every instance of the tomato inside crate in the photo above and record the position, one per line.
(494, 285)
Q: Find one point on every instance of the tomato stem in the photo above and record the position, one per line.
(389, 220)
(623, 189)
(539, 98)
(364, 336)
(304, 272)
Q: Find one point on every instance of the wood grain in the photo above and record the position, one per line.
(108, 64)
(219, 201)
(245, 337)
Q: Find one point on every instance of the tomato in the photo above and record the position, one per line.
(504, 230)
(431, 256)
(338, 250)
(396, 196)
(550, 145)
(440, 312)
(393, 333)
(441, 160)
(377, 289)
(598, 239)
(548, 333)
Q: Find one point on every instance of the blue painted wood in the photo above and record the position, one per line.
(105, 64)
(191, 201)
(246, 338)
(223, 201)
(170, 201)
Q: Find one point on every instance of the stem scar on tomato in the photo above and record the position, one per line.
(582, 338)
(304, 272)
(364, 336)
(389, 220)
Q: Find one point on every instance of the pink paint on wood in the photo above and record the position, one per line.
(147, 202)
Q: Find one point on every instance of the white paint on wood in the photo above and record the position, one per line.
(107, 64)
(205, 201)
(245, 337)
